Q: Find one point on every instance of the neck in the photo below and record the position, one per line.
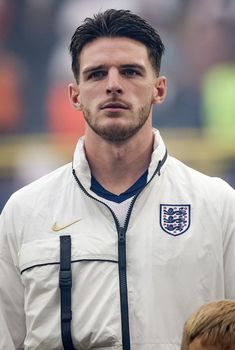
(116, 166)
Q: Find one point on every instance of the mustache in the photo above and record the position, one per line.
(115, 100)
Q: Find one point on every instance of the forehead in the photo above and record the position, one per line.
(113, 51)
(197, 345)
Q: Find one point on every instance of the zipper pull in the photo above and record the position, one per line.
(122, 237)
(159, 168)
(122, 249)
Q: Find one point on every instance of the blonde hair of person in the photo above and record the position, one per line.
(212, 325)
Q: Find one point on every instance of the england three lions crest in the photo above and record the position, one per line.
(175, 218)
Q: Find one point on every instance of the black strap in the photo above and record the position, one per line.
(65, 283)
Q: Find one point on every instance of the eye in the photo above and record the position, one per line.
(130, 72)
(96, 75)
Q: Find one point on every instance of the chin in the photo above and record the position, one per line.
(117, 133)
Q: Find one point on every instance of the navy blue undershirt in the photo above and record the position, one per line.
(130, 192)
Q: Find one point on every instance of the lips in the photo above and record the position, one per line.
(114, 105)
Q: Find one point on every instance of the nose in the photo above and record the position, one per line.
(113, 82)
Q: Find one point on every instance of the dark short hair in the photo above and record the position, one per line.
(116, 23)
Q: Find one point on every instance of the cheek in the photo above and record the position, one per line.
(90, 95)
(136, 95)
(147, 96)
(145, 91)
(85, 99)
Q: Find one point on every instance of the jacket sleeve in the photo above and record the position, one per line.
(228, 227)
(12, 319)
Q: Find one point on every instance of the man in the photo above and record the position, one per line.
(211, 327)
(114, 250)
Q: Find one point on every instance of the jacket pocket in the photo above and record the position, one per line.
(95, 295)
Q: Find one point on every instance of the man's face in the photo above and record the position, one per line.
(117, 87)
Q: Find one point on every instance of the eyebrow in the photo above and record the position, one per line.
(102, 66)
(133, 65)
(93, 68)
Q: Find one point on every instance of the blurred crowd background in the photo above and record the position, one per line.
(38, 126)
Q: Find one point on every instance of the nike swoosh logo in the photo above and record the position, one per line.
(57, 228)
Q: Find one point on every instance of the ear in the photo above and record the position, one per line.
(160, 90)
(74, 96)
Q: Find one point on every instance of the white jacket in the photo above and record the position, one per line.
(180, 253)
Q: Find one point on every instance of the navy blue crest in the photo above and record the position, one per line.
(175, 218)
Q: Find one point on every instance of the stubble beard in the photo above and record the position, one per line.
(118, 133)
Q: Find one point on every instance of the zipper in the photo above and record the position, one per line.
(121, 266)
(123, 288)
(122, 254)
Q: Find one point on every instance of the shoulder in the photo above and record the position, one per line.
(40, 192)
(197, 182)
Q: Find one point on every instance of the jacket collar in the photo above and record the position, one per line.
(81, 166)
(159, 154)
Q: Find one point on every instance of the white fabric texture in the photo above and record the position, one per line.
(119, 209)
